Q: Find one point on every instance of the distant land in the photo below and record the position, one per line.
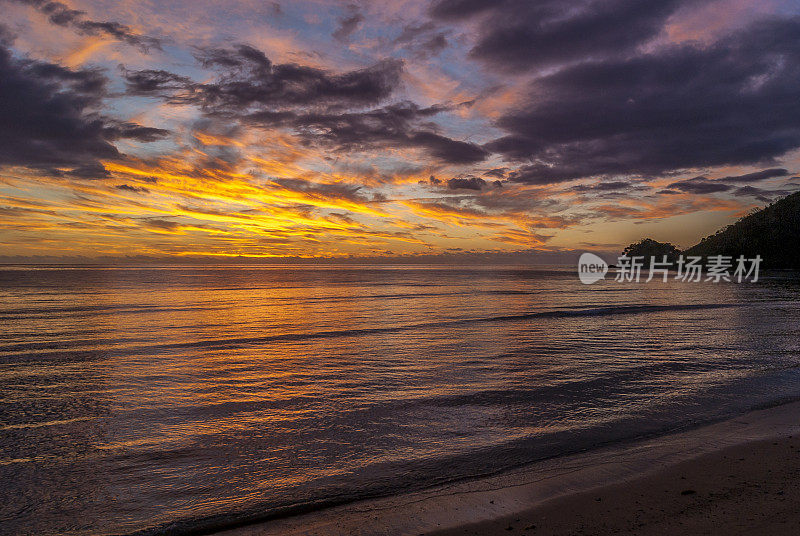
(772, 232)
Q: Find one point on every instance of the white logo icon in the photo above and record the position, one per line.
(591, 268)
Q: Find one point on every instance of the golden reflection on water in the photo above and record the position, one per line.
(136, 397)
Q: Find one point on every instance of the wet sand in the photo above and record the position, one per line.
(740, 476)
(750, 489)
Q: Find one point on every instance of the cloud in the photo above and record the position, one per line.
(700, 185)
(7, 37)
(463, 9)
(752, 191)
(161, 224)
(434, 44)
(520, 35)
(411, 32)
(461, 183)
(757, 176)
(158, 82)
(340, 191)
(62, 15)
(444, 148)
(134, 189)
(602, 186)
(347, 25)
(115, 130)
(317, 105)
(489, 212)
(703, 185)
(467, 183)
(49, 119)
(678, 107)
(499, 173)
(247, 79)
(402, 124)
(423, 40)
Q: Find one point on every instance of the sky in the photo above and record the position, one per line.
(323, 129)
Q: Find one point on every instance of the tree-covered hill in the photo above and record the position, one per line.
(772, 232)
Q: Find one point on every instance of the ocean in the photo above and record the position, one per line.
(183, 399)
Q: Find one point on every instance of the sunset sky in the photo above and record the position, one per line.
(327, 129)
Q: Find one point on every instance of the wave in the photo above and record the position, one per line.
(27, 313)
(93, 310)
(239, 342)
(426, 472)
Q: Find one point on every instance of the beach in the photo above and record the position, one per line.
(733, 477)
(746, 489)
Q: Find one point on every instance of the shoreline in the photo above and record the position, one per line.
(743, 489)
(528, 499)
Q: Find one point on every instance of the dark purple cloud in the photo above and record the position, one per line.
(248, 79)
(133, 189)
(349, 192)
(49, 118)
(423, 40)
(466, 183)
(347, 26)
(733, 102)
(700, 185)
(703, 185)
(757, 176)
(520, 34)
(611, 186)
(317, 105)
(402, 124)
(61, 14)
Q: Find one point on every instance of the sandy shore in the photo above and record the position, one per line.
(740, 476)
(749, 489)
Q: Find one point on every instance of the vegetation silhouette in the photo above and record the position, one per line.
(648, 247)
(772, 232)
